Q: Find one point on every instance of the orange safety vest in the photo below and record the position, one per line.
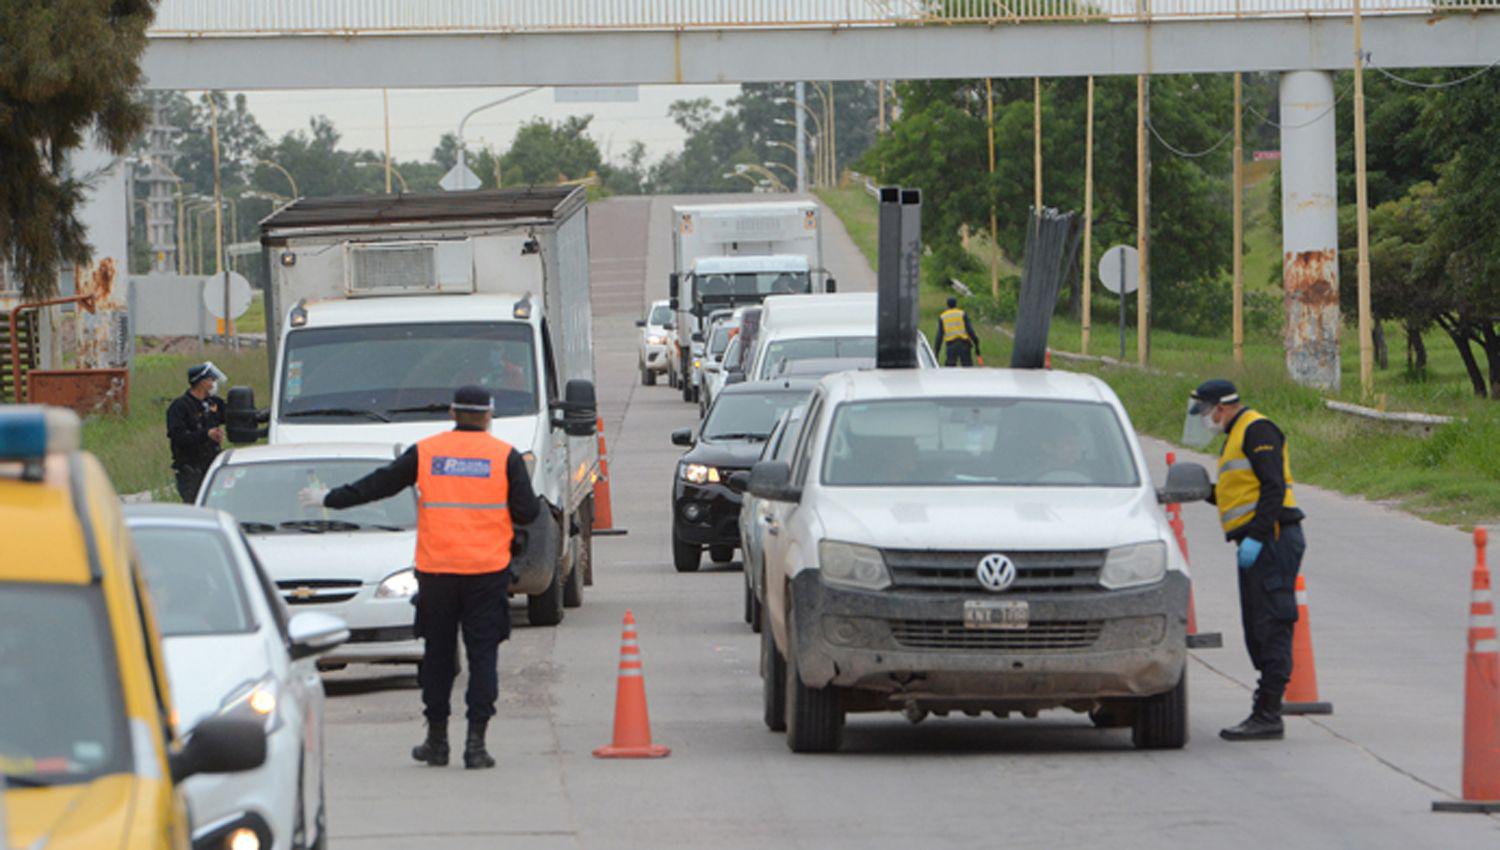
(463, 523)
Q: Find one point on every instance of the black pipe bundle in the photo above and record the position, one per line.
(1051, 257)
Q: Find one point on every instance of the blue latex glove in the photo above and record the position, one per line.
(1249, 551)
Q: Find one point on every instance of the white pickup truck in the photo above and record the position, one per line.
(379, 306)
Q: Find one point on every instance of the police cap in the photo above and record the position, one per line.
(471, 397)
(1213, 392)
(199, 372)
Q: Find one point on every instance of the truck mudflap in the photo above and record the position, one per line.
(537, 553)
(914, 647)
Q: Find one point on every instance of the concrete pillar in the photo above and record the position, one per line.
(801, 141)
(1310, 228)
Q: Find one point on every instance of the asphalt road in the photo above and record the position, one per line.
(1389, 609)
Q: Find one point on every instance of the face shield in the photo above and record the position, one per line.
(209, 370)
(1198, 429)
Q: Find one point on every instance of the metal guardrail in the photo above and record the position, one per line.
(219, 18)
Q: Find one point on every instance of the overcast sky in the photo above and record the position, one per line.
(419, 117)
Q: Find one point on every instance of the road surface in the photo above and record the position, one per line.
(1389, 596)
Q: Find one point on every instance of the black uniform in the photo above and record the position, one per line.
(961, 352)
(478, 603)
(189, 420)
(1268, 598)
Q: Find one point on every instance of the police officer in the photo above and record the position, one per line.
(1259, 514)
(195, 428)
(958, 335)
(472, 489)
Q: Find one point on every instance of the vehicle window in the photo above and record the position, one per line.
(788, 438)
(814, 348)
(194, 582)
(983, 442)
(62, 719)
(660, 315)
(804, 442)
(748, 416)
(263, 497)
(732, 354)
(549, 361)
(405, 372)
(722, 288)
(720, 340)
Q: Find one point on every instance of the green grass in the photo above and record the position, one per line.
(254, 320)
(1451, 477)
(134, 448)
(1262, 242)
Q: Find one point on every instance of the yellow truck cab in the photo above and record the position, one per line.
(88, 758)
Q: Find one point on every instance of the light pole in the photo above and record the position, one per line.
(748, 167)
(819, 164)
(462, 152)
(815, 140)
(783, 166)
(254, 161)
(754, 181)
(831, 122)
(389, 170)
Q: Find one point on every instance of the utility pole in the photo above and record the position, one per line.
(1239, 224)
(1362, 214)
(989, 105)
(385, 99)
(1088, 217)
(801, 136)
(213, 112)
(1142, 222)
(1036, 138)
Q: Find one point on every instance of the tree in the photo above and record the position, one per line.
(543, 152)
(68, 68)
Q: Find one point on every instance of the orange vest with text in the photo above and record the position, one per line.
(463, 523)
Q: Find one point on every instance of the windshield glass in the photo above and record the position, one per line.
(404, 373)
(263, 497)
(987, 442)
(815, 348)
(749, 285)
(720, 340)
(62, 717)
(748, 415)
(194, 582)
(660, 315)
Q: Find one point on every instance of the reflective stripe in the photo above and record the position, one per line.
(1239, 463)
(636, 672)
(1487, 646)
(471, 506)
(1483, 596)
(628, 642)
(1301, 597)
(1481, 622)
(1235, 513)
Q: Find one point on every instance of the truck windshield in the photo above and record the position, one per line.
(404, 373)
(950, 442)
(749, 286)
(63, 717)
(814, 348)
(264, 497)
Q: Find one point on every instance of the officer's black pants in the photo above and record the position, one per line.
(189, 480)
(477, 604)
(960, 353)
(1268, 610)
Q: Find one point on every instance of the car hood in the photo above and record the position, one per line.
(93, 814)
(204, 669)
(364, 556)
(970, 518)
(733, 453)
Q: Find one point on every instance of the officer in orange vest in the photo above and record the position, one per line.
(472, 489)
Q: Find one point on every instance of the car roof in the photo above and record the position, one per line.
(980, 383)
(312, 451)
(773, 386)
(41, 524)
(142, 513)
(479, 307)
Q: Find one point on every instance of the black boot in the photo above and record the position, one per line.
(434, 750)
(475, 755)
(1263, 724)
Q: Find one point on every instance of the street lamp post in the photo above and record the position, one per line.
(254, 161)
(747, 167)
(462, 150)
(389, 170)
(815, 140)
(820, 165)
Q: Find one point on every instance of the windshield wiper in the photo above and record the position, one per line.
(435, 407)
(754, 438)
(14, 781)
(389, 527)
(337, 411)
(318, 526)
(253, 527)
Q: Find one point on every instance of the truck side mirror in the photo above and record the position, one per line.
(772, 479)
(220, 745)
(1186, 482)
(640, 323)
(831, 286)
(672, 283)
(578, 413)
(734, 376)
(241, 420)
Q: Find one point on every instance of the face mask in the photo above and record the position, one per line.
(1208, 422)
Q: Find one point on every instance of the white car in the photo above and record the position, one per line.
(231, 651)
(820, 327)
(977, 540)
(356, 564)
(657, 342)
(757, 514)
(711, 368)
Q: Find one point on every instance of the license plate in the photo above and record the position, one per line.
(985, 614)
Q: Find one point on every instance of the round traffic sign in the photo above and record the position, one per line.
(1121, 262)
(239, 295)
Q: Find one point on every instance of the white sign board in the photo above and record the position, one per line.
(239, 295)
(459, 179)
(596, 94)
(1111, 270)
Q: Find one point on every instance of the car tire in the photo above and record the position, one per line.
(721, 554)
(1161, 721)
(322, 819)
(749, 601)
(546, 608)
(648, 377)
(686, 556)
(814, 716)
(757, 613)
(772, 684)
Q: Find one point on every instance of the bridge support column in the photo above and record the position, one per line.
(1310, 228)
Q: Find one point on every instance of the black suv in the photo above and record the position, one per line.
(705, 511)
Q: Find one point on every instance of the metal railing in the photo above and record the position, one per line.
(340, 17)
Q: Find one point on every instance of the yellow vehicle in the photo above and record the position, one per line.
(88, 758)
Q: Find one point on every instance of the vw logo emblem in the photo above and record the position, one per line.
(995, 572)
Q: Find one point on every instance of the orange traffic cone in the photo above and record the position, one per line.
(1195, 638)
(1481, 698)
(632, 723)
(1302, 690)
(604, 513)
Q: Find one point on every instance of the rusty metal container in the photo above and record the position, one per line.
(85, 391)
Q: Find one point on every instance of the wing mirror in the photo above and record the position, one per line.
(739, 482)
(242, 420)
(670, 326)
(697, 336)
(711, 366)
(772, 479)
(682, 437)
(220, 745)
(314, 633)
(640, 323)
(578, 413)
(831, 286)
(734, 376)
(1186, 482)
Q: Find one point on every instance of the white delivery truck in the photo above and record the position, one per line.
(727, 255)
(379, 306)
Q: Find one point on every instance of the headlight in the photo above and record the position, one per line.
(697, 473)
(656, 340)
(852, 565)
(530, 460)
(401, 585)
(1128, 566)
(256, 702)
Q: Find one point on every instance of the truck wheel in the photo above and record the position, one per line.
(814, 716)
(546, 608)
(585, 557)
(757, 614)
(648, 377)
(1161, 722)
(685, 556)
(749, 601)
(573, 587)
(772, 683)
(721, 554)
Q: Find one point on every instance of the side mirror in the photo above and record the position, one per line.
(314, 633)
(241, 419)
(697, 336)
(734, 376)
(672, 303)
(220, 745)
(712, 366)
(672, 286)
(579, 410)
(739, 482)
(772, 479)
(1186, 482)
(831, 286)
(682, 437)
(670, 326)
(640, 323)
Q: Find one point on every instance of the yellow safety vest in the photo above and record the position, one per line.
(954, 326)
(1238, 489)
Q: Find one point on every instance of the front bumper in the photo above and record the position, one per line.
(380, 629)
(655, 358)
(714, 510)
(912, 648)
